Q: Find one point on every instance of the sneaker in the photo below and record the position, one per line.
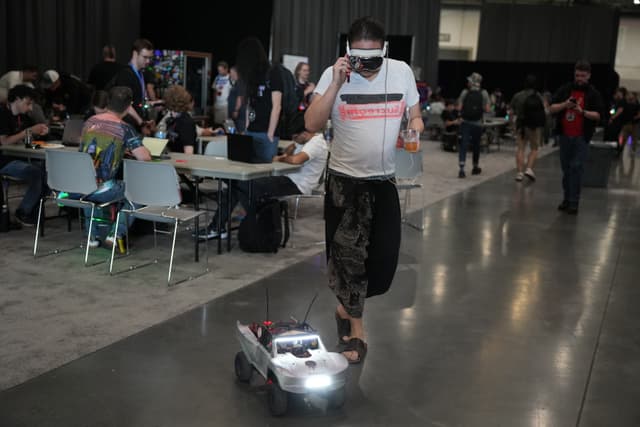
(211, 233)
(110, 240)
(529, 174)
(94, 243)
(519, 176)
(461, 174)
(25, 220)
(563, 206)
(476, 170)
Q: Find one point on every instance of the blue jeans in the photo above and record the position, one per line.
(34, 176)
(573, 155)
(116, 191)
(263, 149)
(471, 134)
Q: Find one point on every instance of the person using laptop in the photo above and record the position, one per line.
(14, 125)
(108, 139)
(308, 149)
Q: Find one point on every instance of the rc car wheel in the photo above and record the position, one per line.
(337, 398)
(243, 367)
(278, 399)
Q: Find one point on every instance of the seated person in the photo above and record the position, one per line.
(108, 139)
(451, 117)
(309, 150)
(14, 121)
(180, 126)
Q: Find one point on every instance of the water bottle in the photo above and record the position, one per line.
(28, 138)
(161, 132)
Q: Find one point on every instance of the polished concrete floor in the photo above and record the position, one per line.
(504, 312)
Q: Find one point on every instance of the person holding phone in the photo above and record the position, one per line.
(578, 106)
(365, 95)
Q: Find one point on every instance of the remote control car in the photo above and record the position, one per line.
(292, 359)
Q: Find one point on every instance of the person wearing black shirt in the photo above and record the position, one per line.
(577, 105)
(132, 77)
(14, 122)
(264, 97)
(181, 128)
(451, 117)
(103, 72)
(65, 94)
(629, 114)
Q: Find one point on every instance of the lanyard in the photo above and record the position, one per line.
(141, 80)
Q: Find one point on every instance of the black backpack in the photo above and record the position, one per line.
(473, 106)
(532, 113)
(290, 100)
(266, 226)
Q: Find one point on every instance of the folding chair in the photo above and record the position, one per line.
(70, 172)
(408, 175)
(156, 187)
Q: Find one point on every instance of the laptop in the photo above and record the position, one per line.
(156, 147)
(240, 148)
(72, 134)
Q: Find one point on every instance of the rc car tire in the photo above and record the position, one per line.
(243, 367)
(337, 398)
(278, 399)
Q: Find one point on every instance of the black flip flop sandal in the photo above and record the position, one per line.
(344, 328)
(359, 346)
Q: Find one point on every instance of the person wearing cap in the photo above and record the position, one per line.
(473, 102)
(65, 94)
(14, 123)
(308, 149)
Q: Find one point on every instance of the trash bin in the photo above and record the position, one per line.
(596, 170)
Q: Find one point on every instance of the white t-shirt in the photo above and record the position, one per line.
(8, 81)
(366, 118)
(222, 85)
(308, 176)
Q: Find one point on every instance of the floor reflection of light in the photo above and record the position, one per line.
(439, 281)
(527, 284)
(562, 363)
(504, 232)
(540, 417)
(486, 242)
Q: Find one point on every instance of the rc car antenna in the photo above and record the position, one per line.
(267, 299)
(304, 322)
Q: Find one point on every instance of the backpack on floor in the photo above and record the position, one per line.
(473, 106)
(533, 114)
(266, 227)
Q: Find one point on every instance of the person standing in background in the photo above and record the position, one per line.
(103, 72)
(528, 112)
(472, 103)
(221, 87)
(304, 88)
(131, 76)
(237, 110)
(264, 97)
(578, 105)
(362, 210)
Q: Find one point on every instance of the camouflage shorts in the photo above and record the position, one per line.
(363, 239)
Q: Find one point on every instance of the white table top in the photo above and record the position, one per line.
(198, 165)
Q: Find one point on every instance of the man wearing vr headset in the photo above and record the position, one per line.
(365, 95)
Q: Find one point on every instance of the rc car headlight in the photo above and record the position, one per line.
(318, 381)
